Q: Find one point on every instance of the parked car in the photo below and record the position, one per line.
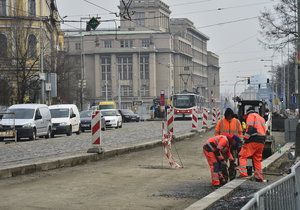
(86, 119)
(31, 121)
(65, 119)
(112, 118)
(129, 116)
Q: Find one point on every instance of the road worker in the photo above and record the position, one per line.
(217, 152)
(232, 128)
(254, 139)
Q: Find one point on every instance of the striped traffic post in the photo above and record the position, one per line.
(194, 119)
(96, 133)
(214, 116)
(218, 114)
(170, 120)
(204, 118)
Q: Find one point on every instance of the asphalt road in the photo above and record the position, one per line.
(139, 180)
(130, 134)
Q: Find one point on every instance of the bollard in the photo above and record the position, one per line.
(218, 114)
(170, 120)
(96, 133)
(204, 118)
(194, 119)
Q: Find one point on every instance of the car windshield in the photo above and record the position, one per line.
(59, 113)
(127, 111)
(19, 114)
(109, 113)
(106, 106)
(86, 114)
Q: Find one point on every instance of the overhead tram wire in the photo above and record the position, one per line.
(187, 3)
(96, 5)
(228, 22)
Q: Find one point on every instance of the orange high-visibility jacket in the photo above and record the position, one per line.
(256, 129)
(232, 127)
(219, 145)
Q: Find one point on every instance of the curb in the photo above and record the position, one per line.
(74, 160)
(221, 192)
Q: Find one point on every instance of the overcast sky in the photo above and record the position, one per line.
(236, 43)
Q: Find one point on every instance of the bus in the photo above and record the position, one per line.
(107, 105)
(184, 103)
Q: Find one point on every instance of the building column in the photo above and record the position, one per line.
(98, 79)
(135, 74)
(152, 74)
(114, 76)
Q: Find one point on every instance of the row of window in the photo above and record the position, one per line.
(31, 7)
(31, 46)
(124, 66)
(126, 43)
(126, 91)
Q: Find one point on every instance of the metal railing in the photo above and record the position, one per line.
(282, 194)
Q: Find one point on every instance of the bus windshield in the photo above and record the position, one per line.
(184, 101)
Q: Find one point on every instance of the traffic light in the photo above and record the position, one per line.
(268, 80)
(248, 80)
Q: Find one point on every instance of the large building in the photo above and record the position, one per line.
(146, 55)
(30, 36)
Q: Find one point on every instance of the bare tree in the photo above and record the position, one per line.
(278, 26)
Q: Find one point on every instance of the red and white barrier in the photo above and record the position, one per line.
(204, 118)
(214, 116)
(170, 120)
(96, 132)
(194, 119)
(218, 114)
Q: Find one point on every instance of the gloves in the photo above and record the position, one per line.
(236, 138)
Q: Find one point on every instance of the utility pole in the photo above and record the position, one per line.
(298, 82)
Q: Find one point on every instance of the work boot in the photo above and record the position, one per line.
(261, 180)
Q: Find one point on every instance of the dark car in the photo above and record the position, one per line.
(86, 119)
(129, 116)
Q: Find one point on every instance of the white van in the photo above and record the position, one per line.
(31, 120)
(65, 119)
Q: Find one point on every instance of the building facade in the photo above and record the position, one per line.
(30, 37)
(147, 55)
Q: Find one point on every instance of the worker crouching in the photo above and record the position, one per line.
(217, 153)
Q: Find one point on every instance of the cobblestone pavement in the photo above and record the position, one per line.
(131, 134)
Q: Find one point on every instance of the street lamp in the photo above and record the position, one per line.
(139, 69)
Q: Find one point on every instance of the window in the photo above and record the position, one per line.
(32, 46)
(107, 44)
(106, 68)
(145, 42)
(78, 46)
(108, 90)
(125, 67)
(144, 66)
(145, 91)
(140, 18)
(126, 43)
(31, 8)
(126, 90)
(3, 46)
(2, 7)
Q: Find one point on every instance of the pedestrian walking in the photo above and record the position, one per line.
(254, 138)
(217, 153)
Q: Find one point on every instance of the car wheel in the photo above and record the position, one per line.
(47, 136)
(104, 128)
(1, 139)
(79, 130)
(33, 137)
(120, 126)
(52, 134)
(69, 133)
(82, 130)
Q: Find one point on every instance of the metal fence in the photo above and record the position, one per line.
(282, 194)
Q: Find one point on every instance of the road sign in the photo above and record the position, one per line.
(93, 23)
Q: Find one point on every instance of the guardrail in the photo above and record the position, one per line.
(282, 194)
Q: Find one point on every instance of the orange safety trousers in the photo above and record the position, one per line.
(252, 150)
(215, 170)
